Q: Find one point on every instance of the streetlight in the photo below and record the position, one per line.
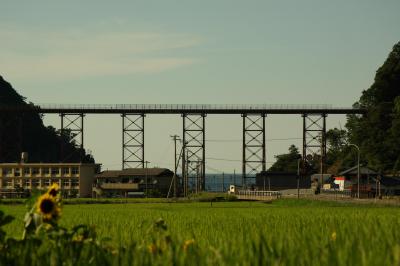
(358, 168)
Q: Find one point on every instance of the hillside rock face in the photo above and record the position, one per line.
(26, 132)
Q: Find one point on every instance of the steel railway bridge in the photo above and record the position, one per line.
(194, 130)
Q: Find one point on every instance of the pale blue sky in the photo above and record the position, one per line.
(291, 52)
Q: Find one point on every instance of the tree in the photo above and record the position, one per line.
(286, 162)
(377, 133)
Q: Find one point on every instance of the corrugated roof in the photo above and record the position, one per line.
(134, 172)
(363, 171)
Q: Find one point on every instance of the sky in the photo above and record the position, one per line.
(203, 52)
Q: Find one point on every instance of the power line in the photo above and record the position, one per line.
(222, 159)
(240, 140)
(229, 160)
(214, 169)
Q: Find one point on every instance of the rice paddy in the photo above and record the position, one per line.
(285, 232)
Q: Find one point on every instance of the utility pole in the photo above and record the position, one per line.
(321, 162)
(358, 168)
(146, 162)
(186, 178)
(197, 177)
(298, 178)
(175, 138)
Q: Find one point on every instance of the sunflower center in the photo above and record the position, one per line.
(46, 206)
(53, 192)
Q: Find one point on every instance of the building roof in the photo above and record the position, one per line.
(134, 172)
(363, 171)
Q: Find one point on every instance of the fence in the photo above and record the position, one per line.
(337, 193)
(257, 195)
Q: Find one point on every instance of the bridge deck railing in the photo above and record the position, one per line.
(190, 106)
(186, 108)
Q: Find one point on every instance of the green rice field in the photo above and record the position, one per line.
(284, 232)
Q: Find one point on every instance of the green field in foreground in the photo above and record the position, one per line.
(285, 232)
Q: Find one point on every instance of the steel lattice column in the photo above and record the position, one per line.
(193, 158)
(72, 130)
(132, 141)
(254, 152)
(314, 140)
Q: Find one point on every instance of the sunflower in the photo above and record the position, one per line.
(188, 244)
(53, 190)
(48, 207)
(152, 248)
(333, 236)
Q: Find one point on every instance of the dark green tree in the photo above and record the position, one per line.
(286, 162)
(377, 133)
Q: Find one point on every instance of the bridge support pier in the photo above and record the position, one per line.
(314, 141)
(193, 156)
(132, 140)
(72, 130)
(254, 151)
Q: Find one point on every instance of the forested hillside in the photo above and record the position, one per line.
(377, 133)
(28, 133)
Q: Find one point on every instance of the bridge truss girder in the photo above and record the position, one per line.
(314, 140)
(254, 151)
(132, 140)
(72, 123)
(193, 156)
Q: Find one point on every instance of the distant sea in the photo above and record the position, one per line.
(221, 182)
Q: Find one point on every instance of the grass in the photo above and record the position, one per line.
(285, 232)
(201, 197)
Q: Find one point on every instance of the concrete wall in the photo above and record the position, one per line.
(86, 180)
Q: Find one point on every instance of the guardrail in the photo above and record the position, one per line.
(257, 195)
(340, 193)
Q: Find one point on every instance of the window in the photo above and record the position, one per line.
(74, 182)
(27, 183)
(46, 182)
(65, 183)
(9, 183)
(46, 171)
(17, 172)
(65, 171)
(27, 171)
(35, 171)
(7, 171)
(34, 183)
(75, 170)
(55, 171)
